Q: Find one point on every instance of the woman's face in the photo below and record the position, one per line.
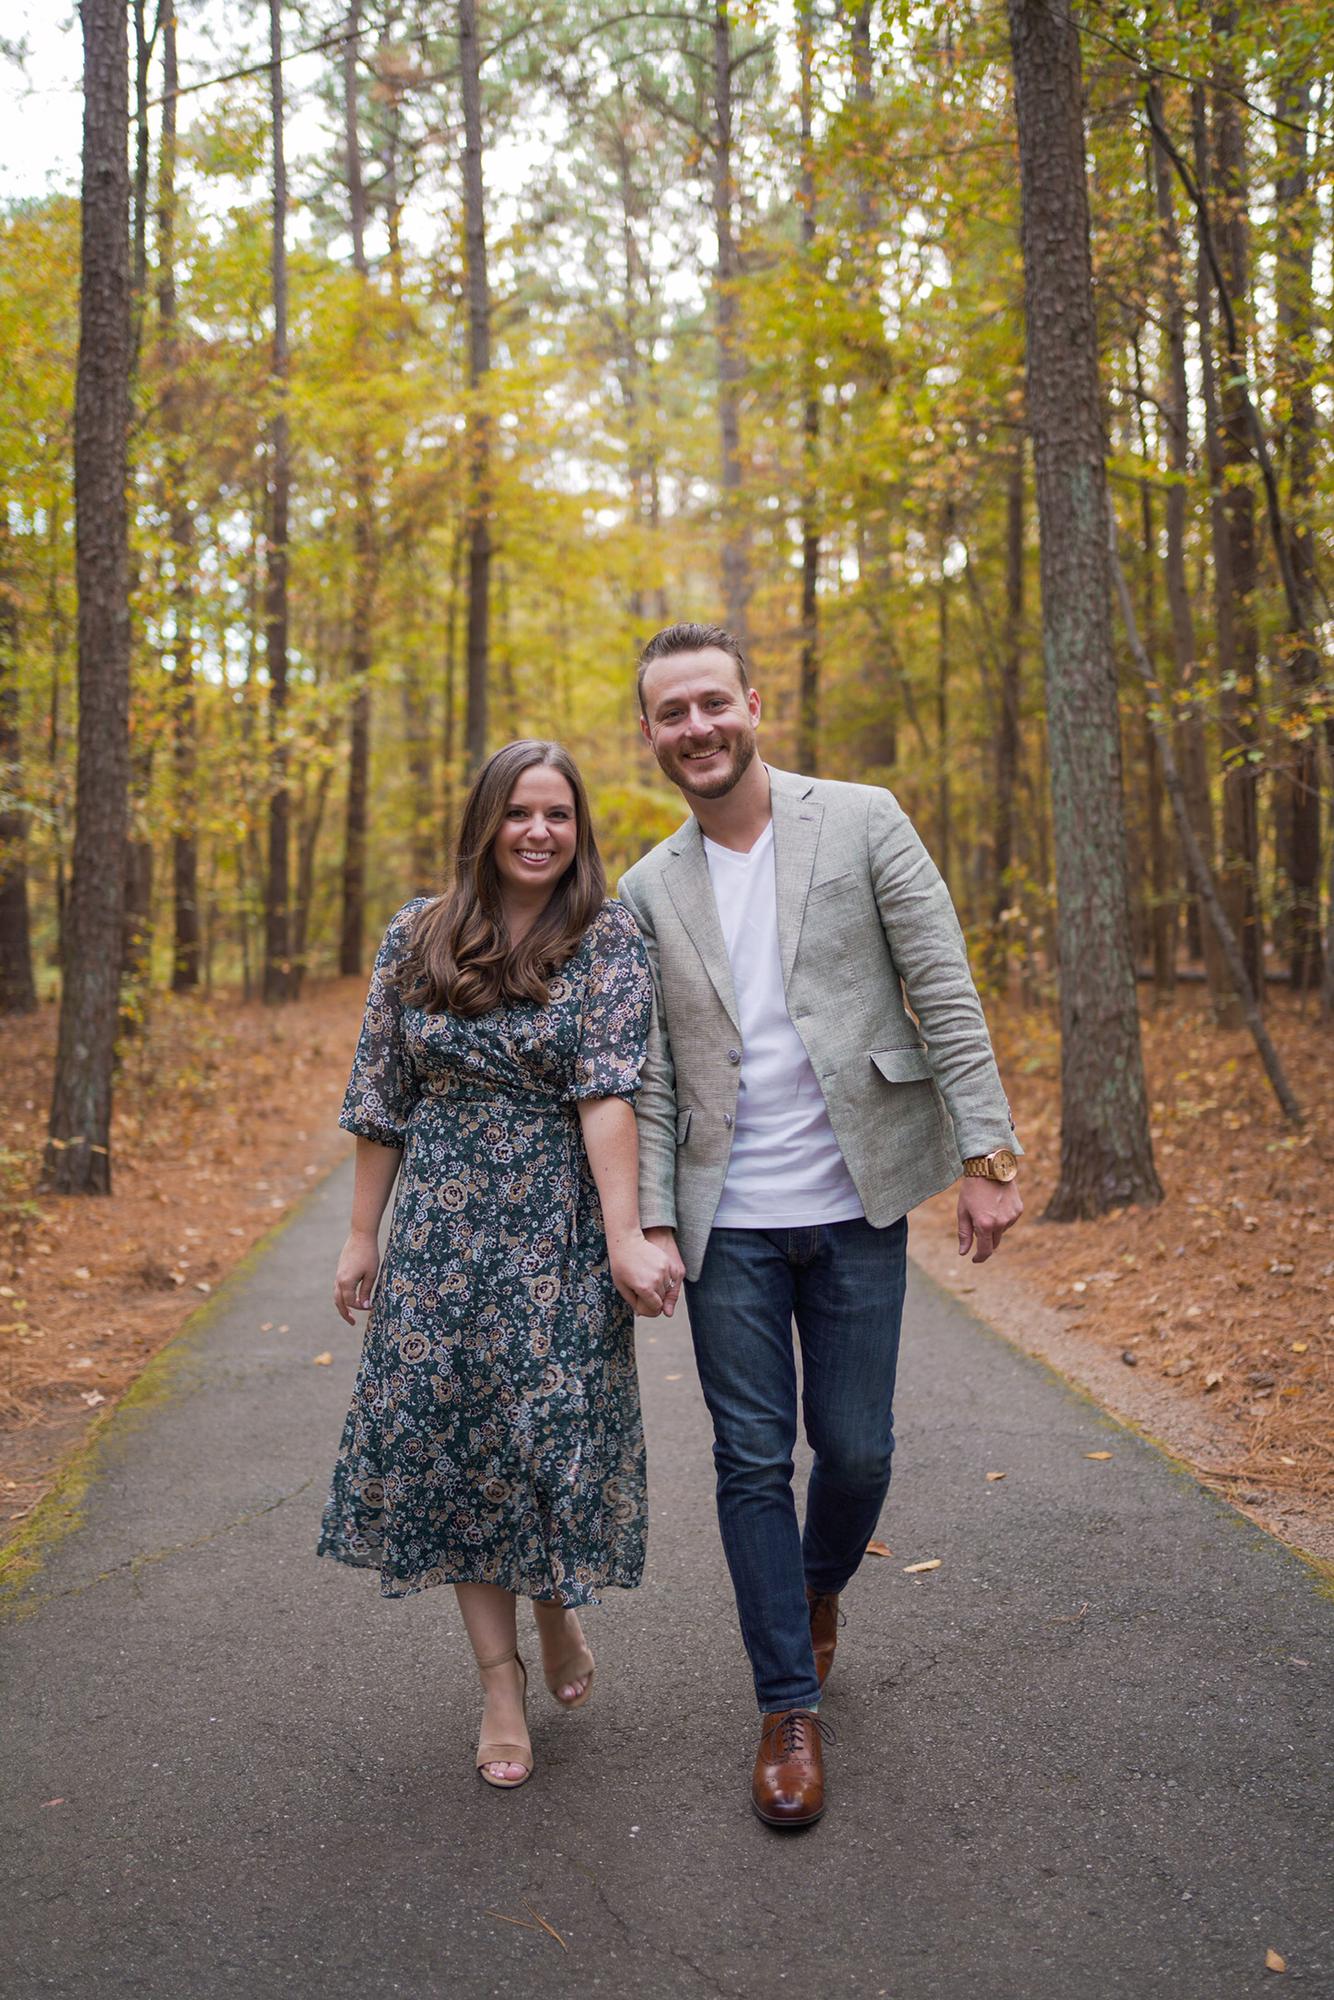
(536, 841)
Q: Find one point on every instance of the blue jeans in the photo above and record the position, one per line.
(843, 1283)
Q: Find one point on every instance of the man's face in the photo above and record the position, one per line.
(700, 721)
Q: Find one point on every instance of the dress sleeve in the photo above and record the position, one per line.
(383, 1088)
(618, 1003)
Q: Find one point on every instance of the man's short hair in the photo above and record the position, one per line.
(689, 639)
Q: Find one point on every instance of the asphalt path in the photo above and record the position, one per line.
(1087, 1756)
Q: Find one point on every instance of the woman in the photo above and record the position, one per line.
(494, 1439)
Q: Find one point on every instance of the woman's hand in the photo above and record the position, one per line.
(645, 1276)
(354, 1280)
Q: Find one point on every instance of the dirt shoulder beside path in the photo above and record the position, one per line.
(226, 1117)
(1208, 1321)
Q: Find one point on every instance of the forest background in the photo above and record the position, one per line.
(466, 346)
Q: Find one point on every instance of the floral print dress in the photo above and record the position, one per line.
(495, 1434)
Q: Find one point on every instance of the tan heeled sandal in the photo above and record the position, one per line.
(506, 1753)
(576, 1666)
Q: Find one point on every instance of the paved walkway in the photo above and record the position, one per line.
(1085, 1757)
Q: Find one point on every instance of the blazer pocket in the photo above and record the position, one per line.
(682, 1127)
(902, 1065)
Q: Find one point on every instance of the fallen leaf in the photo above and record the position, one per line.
(1212, 1380)
(918, 1569)
(1300, 1346)
(202, 1287)
(1282, 1270)
(1097, 1454)
(322, 1360)
(82, 1271)
(1275, 1961)
(995, 1475)
(878, 1549)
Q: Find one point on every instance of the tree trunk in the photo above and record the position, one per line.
(1238, 706)
(731, 360)
(351, 948)
(137, 906)
(185, 835)
(279, 983)
(1007, 732)
(942, 854)
(479, 369)
(1162, 912)
(1192, 752)
(1296, 225)
(18, 993)
(451, 718)
(1106, 1156)
(78, 1151)
(808, 684)
(308, 837)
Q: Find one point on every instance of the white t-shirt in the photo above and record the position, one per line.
(786, 1170)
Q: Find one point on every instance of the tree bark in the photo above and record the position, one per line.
(279, 981)
(351, 948)
(1007, 731)
(731, 361)
(808, 683)
(479, 369)
(137, 918)
(1106, 1155)
(1238, 705)
(78, 1151)
(1191, 749)
(185, 834)
(1296, 223)
(18, 992)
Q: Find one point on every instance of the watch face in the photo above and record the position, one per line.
(1004, 1166)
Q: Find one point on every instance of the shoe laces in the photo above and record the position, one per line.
(783, 1734)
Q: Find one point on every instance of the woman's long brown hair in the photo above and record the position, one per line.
(462, 959)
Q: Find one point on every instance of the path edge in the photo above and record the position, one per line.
(61, 1512)
(1320, 1567)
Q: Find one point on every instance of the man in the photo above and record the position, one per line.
(793, 1110)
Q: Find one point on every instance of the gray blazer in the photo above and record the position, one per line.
(864, 920)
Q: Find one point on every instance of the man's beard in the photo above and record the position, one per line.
(742, 756)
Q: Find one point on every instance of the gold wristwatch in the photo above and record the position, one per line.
(998, 1166)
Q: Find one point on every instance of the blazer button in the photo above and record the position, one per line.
(727, 1120)
(734, 1055)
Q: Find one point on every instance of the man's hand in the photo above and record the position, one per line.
(665, 1240)
(986, 1210)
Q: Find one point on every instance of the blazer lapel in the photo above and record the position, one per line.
(691, 891)
(797, 820)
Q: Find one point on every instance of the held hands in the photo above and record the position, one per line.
(354, 1280)
(986, 1210)
(647, 1272)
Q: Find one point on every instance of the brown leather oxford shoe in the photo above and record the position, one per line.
(824, 1629)
(787, 1788)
